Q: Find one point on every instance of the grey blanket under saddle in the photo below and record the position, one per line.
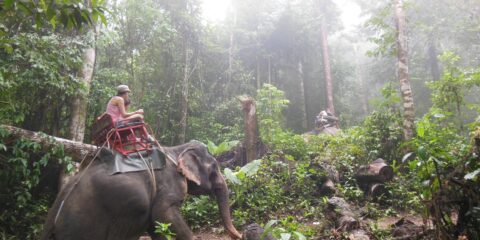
(115, 162)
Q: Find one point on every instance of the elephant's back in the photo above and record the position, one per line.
(129, 191)
(97, 198)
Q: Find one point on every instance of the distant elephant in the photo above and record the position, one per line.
(123, 206)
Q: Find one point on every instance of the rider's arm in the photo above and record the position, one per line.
(120, 103)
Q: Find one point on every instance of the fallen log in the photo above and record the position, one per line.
(376, 172)
(377, 190)
(328, 188)
(76, 150)
(339, 211)
(405, 229)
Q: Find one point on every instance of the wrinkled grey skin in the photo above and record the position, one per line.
(123, 206)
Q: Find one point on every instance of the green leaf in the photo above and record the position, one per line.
(285, 236)
(53, 21)
(103, 18)
(268, 228)
(300, 236)
(212, 148)
(270, 224)
(3, 147)
(420, 130)
(251, 168)
(8, 3)
(472, 175)
(230, 176)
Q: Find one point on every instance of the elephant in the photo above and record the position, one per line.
(124, 206)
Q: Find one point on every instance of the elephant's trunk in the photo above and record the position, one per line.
(222, 199)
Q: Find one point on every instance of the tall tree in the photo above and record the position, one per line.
(303, 102)
(80, 100)
(231, 49)
(402, 71)
(187, 71)
(361, 81)
(325, 56)
(187, 28)
(432, 58)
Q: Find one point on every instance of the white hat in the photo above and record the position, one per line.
(122, 89)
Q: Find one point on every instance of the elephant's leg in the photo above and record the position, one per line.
(170, 214)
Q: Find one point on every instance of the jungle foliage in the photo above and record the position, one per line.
(271, 52)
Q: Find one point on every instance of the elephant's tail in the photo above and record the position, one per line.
(53, 213)
(47, 233)
(49, 226)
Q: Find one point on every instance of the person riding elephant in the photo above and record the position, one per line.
(116, 107)
(97, 205)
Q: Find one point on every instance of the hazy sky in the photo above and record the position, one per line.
(215, 10)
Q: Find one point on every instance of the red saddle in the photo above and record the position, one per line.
(124, 136)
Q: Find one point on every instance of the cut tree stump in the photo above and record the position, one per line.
(371, 178)
(250, 121)
(377, 171)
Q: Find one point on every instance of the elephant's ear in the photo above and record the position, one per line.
(188, 165)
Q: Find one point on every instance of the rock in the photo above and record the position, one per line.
(255, 232)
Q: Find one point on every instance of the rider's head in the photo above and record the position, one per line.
(122, 91)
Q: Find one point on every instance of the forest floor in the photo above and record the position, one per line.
(204, 235)
(384, 223)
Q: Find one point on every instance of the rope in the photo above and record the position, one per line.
(82, 174)
(151, 173)
(75, 184)
(162, 149)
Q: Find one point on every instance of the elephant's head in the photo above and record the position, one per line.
(204, 177)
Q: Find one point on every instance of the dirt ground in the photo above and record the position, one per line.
(203, 235)
(387, 222)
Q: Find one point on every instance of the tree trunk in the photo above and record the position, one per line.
(361, 81)
(259, 82)
(328, 188)
(232, 45)
(250, 121)
(432, 59)
(76, 150)
(269, 62)
(377, 190)
(405, 88)
(339, 211)
(326, 61)
(363, 92)
(377, 171)
(303, 102)
(80, 102)
(370, 178)
(184, 97)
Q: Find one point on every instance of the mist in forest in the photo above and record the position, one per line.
(361, 39)
(323, 118)
(187, 61)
